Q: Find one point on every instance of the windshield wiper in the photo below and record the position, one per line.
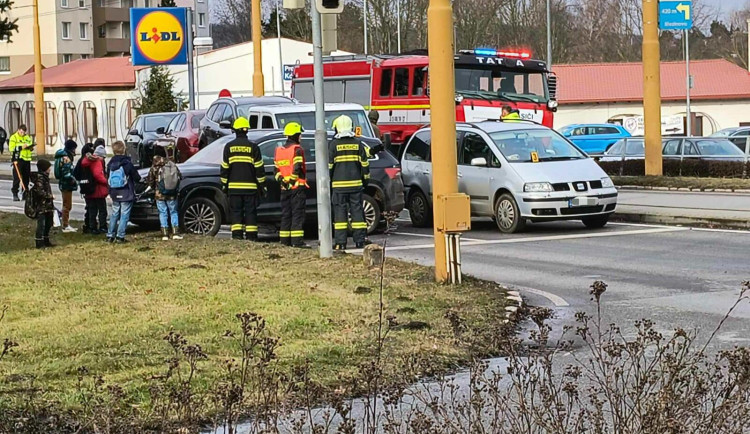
(561, 158)
(521, 97)
(474, 93)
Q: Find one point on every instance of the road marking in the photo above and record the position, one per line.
(430, 236)
(725, 231)
(555, 299)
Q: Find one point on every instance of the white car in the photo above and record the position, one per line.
(514, 172)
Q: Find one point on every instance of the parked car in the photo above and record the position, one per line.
(181, 134)
(204, 208)
(736, 135)
(221, 115)
(142, 135)
(594, 138)
(703, 148)
(277, 116)
(513, 172)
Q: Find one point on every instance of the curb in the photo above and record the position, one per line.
(682, 189)
(682, 220)
(514, 304)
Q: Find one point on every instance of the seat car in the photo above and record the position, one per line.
(221, 115)
(513, 172)
(204, 208)
(736, 135)
(594, 138)
(142, 136)
(697, 148)
(181, 134)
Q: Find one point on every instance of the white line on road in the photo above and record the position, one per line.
(430, 236)
(726, 231)
(555, 299)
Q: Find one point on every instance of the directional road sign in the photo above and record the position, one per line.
(675, 15)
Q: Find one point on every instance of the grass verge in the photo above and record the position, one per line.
(700, 184)
(107, 308)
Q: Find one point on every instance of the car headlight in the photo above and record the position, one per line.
(538, 187)
(607, 183)
(552, 104)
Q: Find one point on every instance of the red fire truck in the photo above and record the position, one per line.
(397, 86)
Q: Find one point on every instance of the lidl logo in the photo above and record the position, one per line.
(159, 37)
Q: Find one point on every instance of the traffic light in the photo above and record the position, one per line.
(330, 6)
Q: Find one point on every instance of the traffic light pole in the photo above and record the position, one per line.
(39, 107)
(259, 87)
(652, 87)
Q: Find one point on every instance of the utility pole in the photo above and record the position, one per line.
(322, 178)
(549, 35)
(652, 87)
(39, 107)
(259, 87)
(364, 21)
(191, 64)
(281, 56)
(689, 85)
(398, 25)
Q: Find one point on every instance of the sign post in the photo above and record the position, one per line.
(678, 15)
(652, 88)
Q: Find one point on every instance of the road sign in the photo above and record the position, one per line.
(159, 36)
(288, 72)
(675, 15)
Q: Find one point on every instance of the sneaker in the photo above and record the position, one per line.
(119, 240)
(15, 198)
(69, 229)
(110, 240)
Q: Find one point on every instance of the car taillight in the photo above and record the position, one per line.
(393, 172)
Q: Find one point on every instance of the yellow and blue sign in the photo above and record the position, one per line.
(676, 15)
(159, 36)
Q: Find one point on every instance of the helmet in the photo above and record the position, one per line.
(241, 123)
(293, 128)
(343, 124)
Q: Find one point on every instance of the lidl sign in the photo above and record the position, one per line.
(158, 36)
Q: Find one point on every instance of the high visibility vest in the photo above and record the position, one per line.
(17, 143)
(286, 159)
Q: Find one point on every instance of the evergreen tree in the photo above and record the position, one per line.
(157, 93)
(168, 3)
(7, 26)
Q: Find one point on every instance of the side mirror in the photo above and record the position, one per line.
(225, 125)
(479, 162)
(160, 130)
(133, 133)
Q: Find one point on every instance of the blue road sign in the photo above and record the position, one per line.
(289, 72)
(676, 15)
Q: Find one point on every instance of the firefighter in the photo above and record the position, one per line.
(20, 147)
(374, 117)
(510, 114)
(243, 177)
(350, 173)
(291, 175)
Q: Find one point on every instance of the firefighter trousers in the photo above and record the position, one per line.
(243, 216)
(292, 230)
(346, 204)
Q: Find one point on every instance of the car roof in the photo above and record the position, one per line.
(257, 100)
(303, 108)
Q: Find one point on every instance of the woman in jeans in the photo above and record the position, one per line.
(167, 204)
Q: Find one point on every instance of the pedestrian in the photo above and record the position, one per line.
(3, 138)
(350, 173)
(243, 178)
(374, 116)
(66, 181)
(21, 149)
(122, 176)
(96, 201)
(510, 114)
(164, 179)
(86, 184)
(291, 174)
(43, 204)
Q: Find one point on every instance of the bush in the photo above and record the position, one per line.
(674, 167)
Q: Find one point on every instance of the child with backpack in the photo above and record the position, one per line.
(66, 182)
(40, 204)
(122, 176)
(96, 190)
(164, 178)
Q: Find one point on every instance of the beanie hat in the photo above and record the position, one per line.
(100, 152)
(71, 146)
(99, 142)
(42, 165)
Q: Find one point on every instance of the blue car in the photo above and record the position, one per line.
(594, 138)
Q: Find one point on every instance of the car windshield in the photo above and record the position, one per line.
(718, 148)
(499, 83)
(520, 145)
(155, 122)
(307, 120)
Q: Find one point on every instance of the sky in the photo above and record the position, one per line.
(725, 6)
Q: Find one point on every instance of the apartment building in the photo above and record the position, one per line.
(79, 29)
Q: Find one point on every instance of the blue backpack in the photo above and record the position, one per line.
(118, 178)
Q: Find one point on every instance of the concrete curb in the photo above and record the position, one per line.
(681, 220)
(682, 189)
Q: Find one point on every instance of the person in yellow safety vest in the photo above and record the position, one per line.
(510, 114)
(243, 177)
(21, 149)
(291, 174)
(350, 172)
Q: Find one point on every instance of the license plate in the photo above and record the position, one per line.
(582, 201)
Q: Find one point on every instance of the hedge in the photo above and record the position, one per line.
(672, 167)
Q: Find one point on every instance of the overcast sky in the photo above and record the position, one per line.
(725, 6)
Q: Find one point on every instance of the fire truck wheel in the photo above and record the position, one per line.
(419, 210)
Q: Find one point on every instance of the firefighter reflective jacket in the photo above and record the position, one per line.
(242, 170)
(350, 169)
(290, 166)
(20, 146)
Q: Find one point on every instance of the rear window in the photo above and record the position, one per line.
(155, 122)
(718, 148)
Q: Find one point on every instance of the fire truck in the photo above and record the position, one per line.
(397, 86)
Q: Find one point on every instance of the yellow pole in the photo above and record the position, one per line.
(442, 118)
(258, 83)
(41, 137)
(652, 87)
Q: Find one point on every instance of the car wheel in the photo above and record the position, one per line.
(201, 216)
(372, 213)
(419, 210)
(508, 216)
(596, 222)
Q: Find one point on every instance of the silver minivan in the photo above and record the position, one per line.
(514, 172)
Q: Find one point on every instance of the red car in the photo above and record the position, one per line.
(183, 132)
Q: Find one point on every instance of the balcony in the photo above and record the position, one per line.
(110, 14)
(109, 46)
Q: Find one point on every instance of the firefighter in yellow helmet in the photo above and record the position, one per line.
(350, 173)
(243, 177)
(291, 174)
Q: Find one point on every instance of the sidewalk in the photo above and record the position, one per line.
(730, 210)
(6, 170)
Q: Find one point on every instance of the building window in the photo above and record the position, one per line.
(5, 65)
(81, 3)
(85, 56)
(12, 115)
(50, 120)
(67, 58)
(64, 3)
(70, 120)
(102, 31)
(84, 29)
(66, 30)
(201, 20)
(89, 120)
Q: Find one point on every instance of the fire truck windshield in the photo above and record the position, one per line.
(501, 83)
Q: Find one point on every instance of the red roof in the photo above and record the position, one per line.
(620, 82)
(102, 72)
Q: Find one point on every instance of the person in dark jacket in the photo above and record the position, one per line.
(123, 198)
(66, 181)
(86, 150)
(3, 139)
(97, 201)
(44, 203)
